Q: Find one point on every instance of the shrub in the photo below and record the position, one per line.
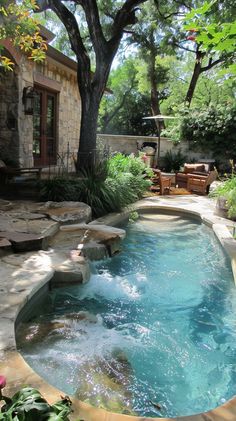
(133, 216)
(174, 160)
(228, 191)
(107, 187)
(120, 163)
(28, 405)
(58, 189)
(211, 130)
(98, 194)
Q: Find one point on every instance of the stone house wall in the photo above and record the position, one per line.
(9, 103)
(16, 128)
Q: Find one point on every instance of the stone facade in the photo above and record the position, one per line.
(58, 75)
(9, 104)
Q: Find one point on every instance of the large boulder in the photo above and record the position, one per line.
(67, 212)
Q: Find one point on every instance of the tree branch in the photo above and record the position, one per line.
(142, 40)
(165, 17)
(176, 44)
(94, 26)
(71, 25)
(182, 3)
(211, 64)
(124, 17)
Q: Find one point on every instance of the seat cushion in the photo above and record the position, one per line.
(181, 176)
(190, 168)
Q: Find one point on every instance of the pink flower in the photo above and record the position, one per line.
(144, 158)
(3, 382)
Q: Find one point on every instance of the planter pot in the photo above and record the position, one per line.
(222, 208)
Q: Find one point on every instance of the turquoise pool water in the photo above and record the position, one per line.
(154, 330)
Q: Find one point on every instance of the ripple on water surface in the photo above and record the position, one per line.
(152, 333)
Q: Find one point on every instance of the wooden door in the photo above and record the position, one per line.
(44, 122)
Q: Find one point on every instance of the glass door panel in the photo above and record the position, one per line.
(44, 122)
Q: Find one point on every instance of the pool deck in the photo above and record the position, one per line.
(23, 274)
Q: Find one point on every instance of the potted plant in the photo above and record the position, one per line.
(226, 198)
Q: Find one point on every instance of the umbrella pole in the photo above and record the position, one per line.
(157, 154)
(159, 142)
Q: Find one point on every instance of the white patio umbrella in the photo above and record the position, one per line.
(158, 118)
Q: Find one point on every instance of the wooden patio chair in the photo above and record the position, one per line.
(200, 183)
(163, 182)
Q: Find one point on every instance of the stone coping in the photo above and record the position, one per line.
(39, 271)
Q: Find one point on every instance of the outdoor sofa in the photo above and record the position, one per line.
(196, 177)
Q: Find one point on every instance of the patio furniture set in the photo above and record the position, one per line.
(195, 178)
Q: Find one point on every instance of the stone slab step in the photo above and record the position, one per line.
(23, 241)
(5, 245)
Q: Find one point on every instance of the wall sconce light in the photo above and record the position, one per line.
(28, 100)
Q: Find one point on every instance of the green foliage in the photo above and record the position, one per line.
(107, 187)
(18, 25)
(221, 38)
(212, 36)
(225, 188)
(133, 216)
(120, 163)
(29, 405)
(59, 189)
(215, 31)
(212, 130)
(174, 160)
(173, 132)
(122, 111)
(113, 184)
(95, 191)
(228, 191)
(231, 202)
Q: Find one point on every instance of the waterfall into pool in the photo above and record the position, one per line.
(153, 332)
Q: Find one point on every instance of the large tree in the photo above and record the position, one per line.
(106, 22)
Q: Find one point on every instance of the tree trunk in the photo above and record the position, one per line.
(90, 100)
(155, 103)
(195, 77)
(86, 156)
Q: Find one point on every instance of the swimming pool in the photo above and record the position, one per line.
(152, 333)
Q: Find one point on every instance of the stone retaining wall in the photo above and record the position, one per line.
(128, 145)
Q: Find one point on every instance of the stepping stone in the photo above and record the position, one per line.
(28, 216)
(67, 212)
(4, 244)
(24, 242)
